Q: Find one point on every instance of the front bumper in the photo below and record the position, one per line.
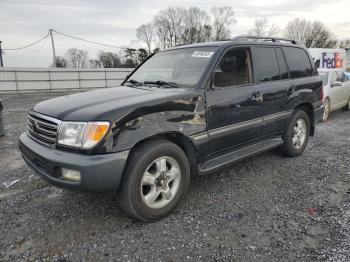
(98, 172)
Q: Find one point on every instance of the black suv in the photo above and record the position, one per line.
(188, 110)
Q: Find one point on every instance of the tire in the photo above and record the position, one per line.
(151, 196)
(295, 133)
(347, 107)
(327, 109)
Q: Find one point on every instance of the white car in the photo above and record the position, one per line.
(336, 90)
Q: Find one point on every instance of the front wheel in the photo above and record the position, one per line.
(297, 134)
(155, 181)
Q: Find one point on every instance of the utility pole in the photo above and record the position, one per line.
(1, 61)
(53, 48)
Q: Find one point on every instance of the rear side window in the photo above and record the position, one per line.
(282, 64)
(298, 62)
(265, 64)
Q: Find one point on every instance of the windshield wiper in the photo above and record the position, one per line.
(161, 83)
(134, 82)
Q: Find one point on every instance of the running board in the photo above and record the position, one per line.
(217, 163)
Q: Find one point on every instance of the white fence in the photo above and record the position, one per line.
(17, 79)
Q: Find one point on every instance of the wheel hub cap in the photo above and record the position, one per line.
(160, 182)
(299, 134)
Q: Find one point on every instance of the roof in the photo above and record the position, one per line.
(244, 40)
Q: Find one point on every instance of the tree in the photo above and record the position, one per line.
(345, 43)
(311, 34)
(169, 26)
(94, 63)
(77, 58)
(141, 55)
(197, 26)
(145, 33)
(262, 27)
(223, 19)
(61, 62)
(109, 60)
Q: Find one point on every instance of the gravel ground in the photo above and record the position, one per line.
(267, 208)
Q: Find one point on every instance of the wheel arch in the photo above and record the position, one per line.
(308, 109)
(178, 138)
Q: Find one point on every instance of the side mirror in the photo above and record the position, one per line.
(336, 83)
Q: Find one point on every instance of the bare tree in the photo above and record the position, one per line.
(223, 20)
(311, 34)
(262, 27)
(61, 62)
(345, 43)
(77, 58)
(94, 63)
(145, 33)
(109, 59)
(197, 26)
(169, 26)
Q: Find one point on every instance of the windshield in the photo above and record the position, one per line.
(183, 67)
(324, 77)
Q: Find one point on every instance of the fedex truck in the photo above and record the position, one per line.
(328, 58)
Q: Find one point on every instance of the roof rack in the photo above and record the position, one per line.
(265, 38)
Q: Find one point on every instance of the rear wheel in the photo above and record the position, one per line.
(297, 134)
(327, 110)
(155, 181)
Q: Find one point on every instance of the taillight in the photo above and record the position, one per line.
(322, 93)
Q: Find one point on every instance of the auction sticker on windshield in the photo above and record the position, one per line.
(202, 54)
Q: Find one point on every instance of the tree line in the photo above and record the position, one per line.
(177, 26)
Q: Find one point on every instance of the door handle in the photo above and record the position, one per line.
(257, 97)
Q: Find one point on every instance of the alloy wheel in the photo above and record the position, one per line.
(299, 134)
(160, 182)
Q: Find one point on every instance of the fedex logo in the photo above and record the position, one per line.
(334, 60)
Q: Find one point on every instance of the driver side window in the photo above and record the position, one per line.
(233, 69)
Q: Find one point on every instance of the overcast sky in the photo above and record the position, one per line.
(114, 22)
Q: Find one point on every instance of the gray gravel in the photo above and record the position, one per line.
(267, 208)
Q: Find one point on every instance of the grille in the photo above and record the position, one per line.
(42, 128)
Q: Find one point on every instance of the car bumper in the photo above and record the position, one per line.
(318, 113)
(98, 172)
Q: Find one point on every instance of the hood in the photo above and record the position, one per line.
(105, 104)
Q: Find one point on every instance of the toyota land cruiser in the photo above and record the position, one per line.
(188, 110)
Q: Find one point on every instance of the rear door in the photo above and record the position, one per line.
(233, 101)
(270, 72)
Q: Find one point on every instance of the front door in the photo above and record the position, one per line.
(233, 102)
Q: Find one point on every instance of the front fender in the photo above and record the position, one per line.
(186, 116)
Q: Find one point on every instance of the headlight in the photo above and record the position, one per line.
(81, 134)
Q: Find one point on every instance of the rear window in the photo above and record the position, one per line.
(265, 64)
(298, 62)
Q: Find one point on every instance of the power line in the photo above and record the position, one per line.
(88, 41)
(34, 43)
(37, 52)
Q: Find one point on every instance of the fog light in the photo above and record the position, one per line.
(71, 175)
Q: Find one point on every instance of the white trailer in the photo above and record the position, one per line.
(328, 58)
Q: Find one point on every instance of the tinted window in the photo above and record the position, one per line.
(233, 69)
(282, 64)
(298, 62)
(265, 64)
(341, 77)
